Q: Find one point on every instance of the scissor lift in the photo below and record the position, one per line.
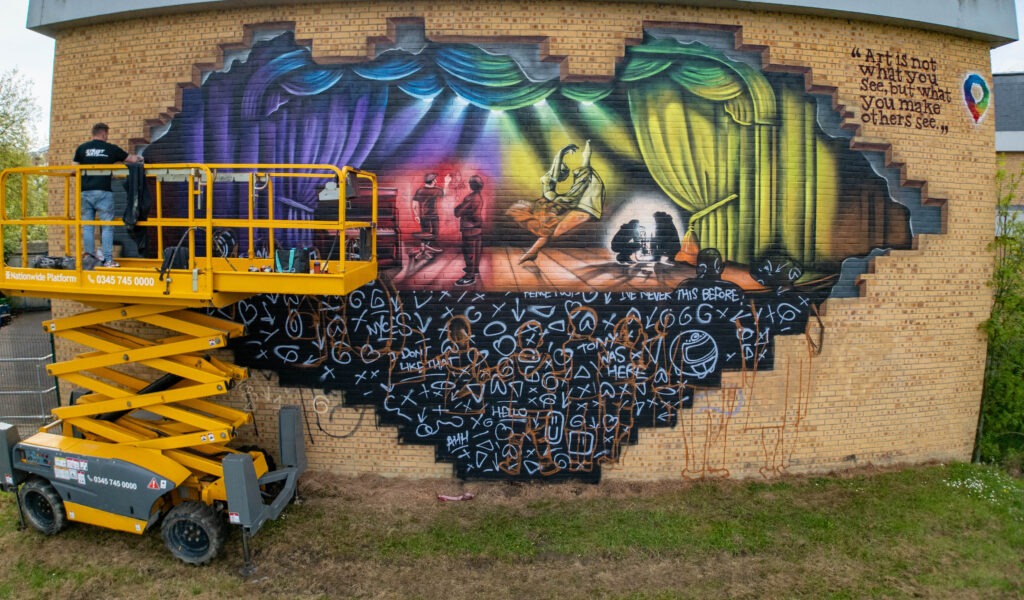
(143, 441)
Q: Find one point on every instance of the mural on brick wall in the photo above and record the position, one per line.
(563, 264)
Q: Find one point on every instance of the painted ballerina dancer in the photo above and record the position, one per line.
(554, 214)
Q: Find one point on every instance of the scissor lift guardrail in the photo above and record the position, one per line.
(209, 280)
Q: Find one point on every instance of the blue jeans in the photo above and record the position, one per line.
(98, 205)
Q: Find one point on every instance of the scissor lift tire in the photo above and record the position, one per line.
(193, 532)
(43, 507)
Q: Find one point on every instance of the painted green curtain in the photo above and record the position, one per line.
(745, 159)
(808, 181)
(703, 160)
(704, 125)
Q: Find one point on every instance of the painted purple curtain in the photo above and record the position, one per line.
(277, 106)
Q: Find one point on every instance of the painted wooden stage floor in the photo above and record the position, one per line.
(554, 270)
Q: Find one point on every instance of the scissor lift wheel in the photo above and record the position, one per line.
(42, 506)
(193, 532)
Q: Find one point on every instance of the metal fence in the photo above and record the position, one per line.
(27, 393)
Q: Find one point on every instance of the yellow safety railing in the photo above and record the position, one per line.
(191, 205)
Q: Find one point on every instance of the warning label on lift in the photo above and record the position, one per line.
(70, 469)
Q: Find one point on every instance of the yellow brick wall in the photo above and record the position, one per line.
(899, 376)
(1011, 162)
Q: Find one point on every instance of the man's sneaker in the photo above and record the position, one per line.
(89, 262)
(109, 264)
(467, 280)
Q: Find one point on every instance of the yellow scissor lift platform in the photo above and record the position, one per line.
(144, 441)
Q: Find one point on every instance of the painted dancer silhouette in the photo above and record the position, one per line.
(554, 213)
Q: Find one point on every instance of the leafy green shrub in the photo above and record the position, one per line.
(1001, 423)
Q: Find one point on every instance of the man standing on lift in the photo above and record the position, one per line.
(96, 196)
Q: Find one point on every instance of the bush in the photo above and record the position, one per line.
(1000, 435)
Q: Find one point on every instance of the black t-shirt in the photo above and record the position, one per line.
(98, 152)
(427, 197)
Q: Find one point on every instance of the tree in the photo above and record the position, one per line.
(18, 112)
(1000, 435)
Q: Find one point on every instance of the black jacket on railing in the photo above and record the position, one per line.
(137, 206)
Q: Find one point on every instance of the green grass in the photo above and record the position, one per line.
(952, 531)
(859, 517)
(939, 529)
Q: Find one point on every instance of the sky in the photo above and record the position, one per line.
(32, 54)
